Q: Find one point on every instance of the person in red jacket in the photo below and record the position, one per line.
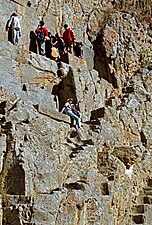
(68, 37)
(42, 34)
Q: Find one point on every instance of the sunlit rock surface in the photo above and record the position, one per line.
(55, 174)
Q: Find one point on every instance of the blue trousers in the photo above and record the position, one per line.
(75, 117)
(15, 37)
(41, 47)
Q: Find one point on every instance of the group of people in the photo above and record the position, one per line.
(43, 41)
(51, 46)
(54, 46)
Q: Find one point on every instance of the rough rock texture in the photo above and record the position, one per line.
(52, 174)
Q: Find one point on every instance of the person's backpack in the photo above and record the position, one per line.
(6, 27)
(41, 35)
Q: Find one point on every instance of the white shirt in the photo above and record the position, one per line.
(14, 23)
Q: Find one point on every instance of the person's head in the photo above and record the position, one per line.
(41, 23)
(74, 42)
(79, 44)
(70, 100)
(65, 26)
(49, 34)
(32, 34)
(14, 14)
(57, 35)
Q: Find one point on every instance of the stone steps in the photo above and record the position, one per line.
(138, 209)
(149, 183)
(148, 199)
(138, 218)
(148, 191)
(142, 210)
(144, 199)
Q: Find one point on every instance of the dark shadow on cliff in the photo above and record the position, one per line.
(101, 61)
(65, 89)
(15, 180)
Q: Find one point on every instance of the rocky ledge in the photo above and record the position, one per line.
(52, 174)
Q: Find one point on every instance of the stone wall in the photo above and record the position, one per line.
(53, 174)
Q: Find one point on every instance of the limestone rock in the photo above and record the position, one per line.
(52, 173)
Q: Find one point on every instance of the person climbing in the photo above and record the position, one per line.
(60, 45)
(68, 37)
(77, 48)
(33, 42)
(54, 48)
(48, 46)
(70, 109)
(42, 34)
(51, 48)
(14, 29)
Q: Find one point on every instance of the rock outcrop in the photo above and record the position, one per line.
(54, 174)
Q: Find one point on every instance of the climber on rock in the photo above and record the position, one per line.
(71, 110)
(14, 29)
(33, 42)
(50, 47)
(77, 48)
(60, 44)
(68, 37)
(42, 34)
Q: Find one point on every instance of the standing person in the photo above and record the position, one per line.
(68, 37)
(70, 109)
(50, 47)
(33, 42)
(54, 48)
(14, 29)
(60, 44)
(42, 34)
(77, 48)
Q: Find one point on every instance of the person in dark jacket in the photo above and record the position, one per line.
(60, 44)
(33, 42)
(77, 48)
(48, 46)
(51, 47)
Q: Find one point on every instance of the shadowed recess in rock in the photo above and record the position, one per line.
(2, 107)
(75, 186)
(138, 219)
(101, 61)
(65, 89)
(143, 138)
(98, 113)
(104, 189)
(15, 180)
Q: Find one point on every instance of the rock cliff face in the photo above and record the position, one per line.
(52, 174)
